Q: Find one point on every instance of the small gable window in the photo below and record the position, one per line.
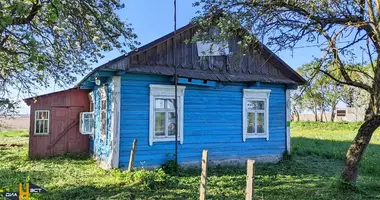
(162, 121)
(213, 47)
(255, 113)
(103, 112)
(41, 122)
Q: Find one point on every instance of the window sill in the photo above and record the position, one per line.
(164, 139)
(87, 133)
(257, 136)
(41, 134)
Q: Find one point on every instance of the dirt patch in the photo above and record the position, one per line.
(11, 145)
(17, 123)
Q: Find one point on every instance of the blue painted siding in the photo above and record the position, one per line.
(212, 120)
(100, 148)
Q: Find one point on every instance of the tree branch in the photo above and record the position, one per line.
(25, 20)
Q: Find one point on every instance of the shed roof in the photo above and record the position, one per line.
(29, 100)
(154, 58)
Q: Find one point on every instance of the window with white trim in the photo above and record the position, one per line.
(255, 113)
(41, 122)
(86, 125)
(162, 121)
(103, 112)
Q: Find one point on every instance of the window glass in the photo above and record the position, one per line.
(160, 103)
(160, 124)
(170, 104)
(251, 123)
(171, 124)
(260, 123)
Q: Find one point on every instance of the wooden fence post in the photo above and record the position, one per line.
(204, 175)
(249, 190)
(132, 156)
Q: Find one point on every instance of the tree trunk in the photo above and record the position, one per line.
(315, 114)
(357, 148)
(322, 113)
(298, 116)
(332, 114)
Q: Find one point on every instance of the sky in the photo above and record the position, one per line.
(152, 19)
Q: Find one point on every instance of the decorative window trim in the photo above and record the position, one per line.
(35, 122)
(165, 91)
(91, 100)
(103, 97)
(261, 95)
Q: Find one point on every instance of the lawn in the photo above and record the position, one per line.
(311, 172)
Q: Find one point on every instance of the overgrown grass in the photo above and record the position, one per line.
(312, 172)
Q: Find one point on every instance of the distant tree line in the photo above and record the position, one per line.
(321, 94)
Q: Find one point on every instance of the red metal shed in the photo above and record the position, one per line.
(54, 123)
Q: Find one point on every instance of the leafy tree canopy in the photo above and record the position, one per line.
(44, 40)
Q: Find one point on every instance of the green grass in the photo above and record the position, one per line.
(312, 172)
(14, 133)
(14, 137)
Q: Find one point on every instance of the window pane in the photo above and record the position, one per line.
(43, 115)
(260, 123)
(260, 105)
(251, 123)
(171, 124)
(255, 105)
(160, 103)
(45, 130)
(251, 105)
(87, 127)
(170, 103)
(160, 124)
(37, 126)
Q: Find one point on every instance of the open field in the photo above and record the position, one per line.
(16, 123)
(312, 172)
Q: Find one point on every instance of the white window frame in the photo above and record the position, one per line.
(103, 97)
(81, 124)
(165, 91)
(35, 122)
(256, 95)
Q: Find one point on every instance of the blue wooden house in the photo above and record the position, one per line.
(230, 102)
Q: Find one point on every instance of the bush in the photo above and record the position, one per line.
(171, 167)
(146, 178)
